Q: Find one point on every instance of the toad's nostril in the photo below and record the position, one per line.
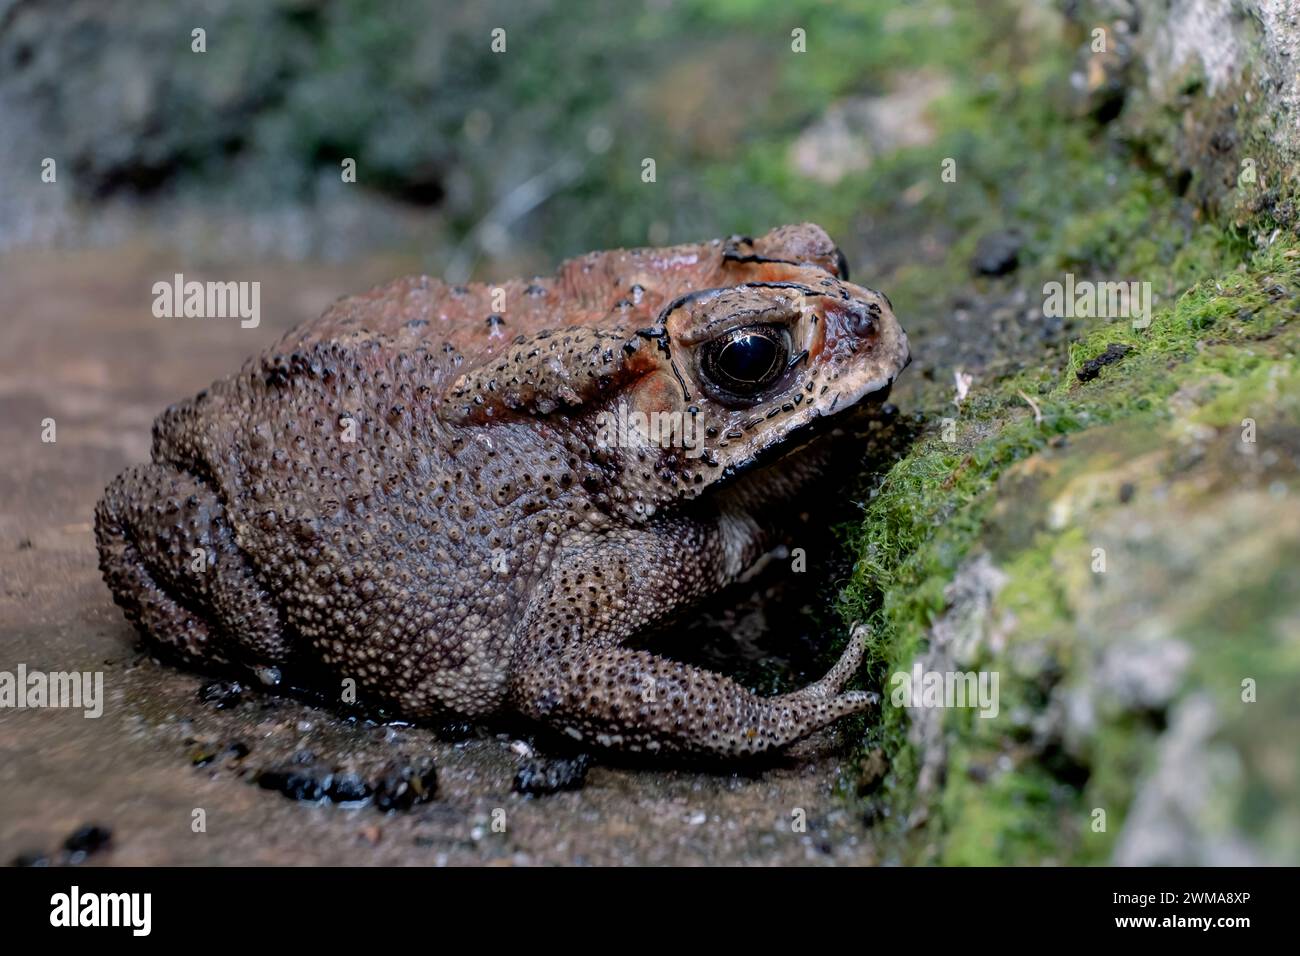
(860, 321)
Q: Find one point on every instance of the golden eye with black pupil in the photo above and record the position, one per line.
(745, 361)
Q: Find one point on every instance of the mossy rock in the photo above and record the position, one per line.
(1107, 519)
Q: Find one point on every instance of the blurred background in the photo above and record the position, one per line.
(962, 154)
(465, 156)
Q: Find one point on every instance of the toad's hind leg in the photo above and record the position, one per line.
(632, 700)
(169, 556)
(570, 669)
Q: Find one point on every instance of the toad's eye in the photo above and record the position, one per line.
(747, 360)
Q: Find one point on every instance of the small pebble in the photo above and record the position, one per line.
(541, 777)
(223, 694)
(86, 840)
(1092, 368)
(402, 787)
(997, 254)
(294, 784)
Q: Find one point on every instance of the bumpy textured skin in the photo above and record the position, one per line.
(413, 491)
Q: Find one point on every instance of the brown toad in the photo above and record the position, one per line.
(470, 498)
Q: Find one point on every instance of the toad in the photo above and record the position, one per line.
(449, 493)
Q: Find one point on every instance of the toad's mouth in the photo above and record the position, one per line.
(794, 445)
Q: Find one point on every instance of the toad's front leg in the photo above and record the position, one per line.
(570, 671)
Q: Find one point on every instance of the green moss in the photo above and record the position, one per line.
(1015, 818)
(1231, 339)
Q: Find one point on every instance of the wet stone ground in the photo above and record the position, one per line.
(185, 769)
